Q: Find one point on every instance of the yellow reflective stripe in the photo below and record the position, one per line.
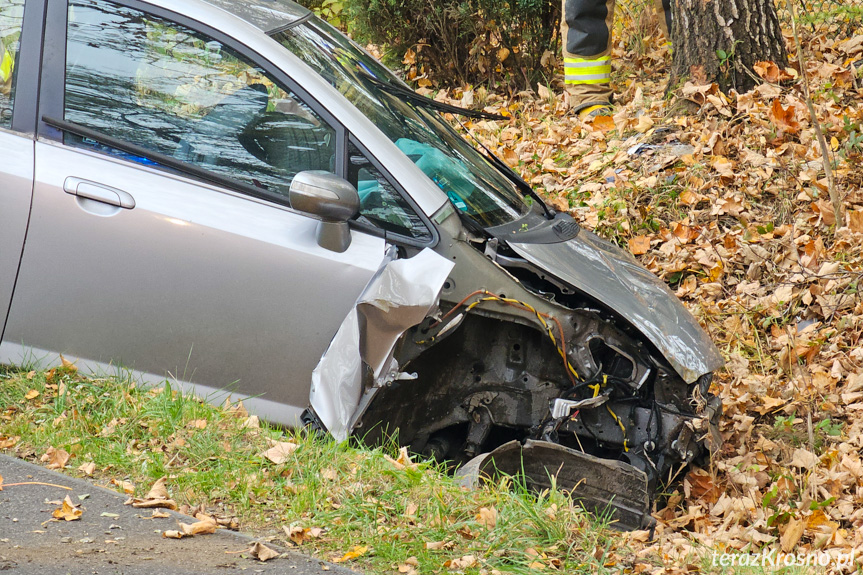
(588, 71)
(604, 66)
(6, 66)
(573, 80)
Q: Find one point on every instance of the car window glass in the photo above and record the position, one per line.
(11, 19)
(473, 184)
(162, 86)
(380, 203)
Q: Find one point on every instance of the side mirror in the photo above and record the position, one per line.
(332, 199)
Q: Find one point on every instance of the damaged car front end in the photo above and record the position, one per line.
(548, 356)
(530, 346)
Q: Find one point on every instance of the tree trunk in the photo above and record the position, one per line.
(720, 40)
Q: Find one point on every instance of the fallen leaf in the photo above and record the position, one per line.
(237, 410)
(68, 365)
(510, 157)
(461, 563)
(251, 422)
(262, 552)
(9, 442)
(329, 474)
(404, 460)
(639, 245)
(68, 511)
(87, 468)
(172, 534)
(127, 486)
(158, 490)
(280, 451)
(792, 534)
(299, 534)
(784, 117)
(138, 503)
(199, 527)
(32, 394)
(56, 458)
(159, 514)
(604, 124)
(357, 551)
(487, 517)
(645, 122)
(855, 220)
(771, 72)
(804, 459)
(723, 166)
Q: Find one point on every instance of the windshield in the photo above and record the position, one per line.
(473, 185)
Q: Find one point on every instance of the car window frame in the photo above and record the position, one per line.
(52, 79)
(25, 103)
(397, 238)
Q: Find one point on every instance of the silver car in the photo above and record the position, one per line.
(236, 196)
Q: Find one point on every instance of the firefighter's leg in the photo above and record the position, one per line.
(586, 31)
(663, 10)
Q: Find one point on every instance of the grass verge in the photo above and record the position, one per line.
(396, 516)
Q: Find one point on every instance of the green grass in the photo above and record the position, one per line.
(358, 496)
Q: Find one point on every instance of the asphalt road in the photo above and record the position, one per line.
(112, 538)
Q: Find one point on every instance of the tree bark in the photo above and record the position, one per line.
(720, 40)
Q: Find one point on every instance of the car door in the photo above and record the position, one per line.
(161, 237)
(16, 147)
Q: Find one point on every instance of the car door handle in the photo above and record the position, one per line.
(99, 193)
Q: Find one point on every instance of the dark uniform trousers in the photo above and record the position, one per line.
(586, 31)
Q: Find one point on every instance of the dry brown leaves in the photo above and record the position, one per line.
(279, 451)
(299, 535)
(403, 461)
(67, 511)
(56, 458)
(126, 487)
(355, 552)
(727, 201)
(156, 498)
(261, 552)
(9, 442)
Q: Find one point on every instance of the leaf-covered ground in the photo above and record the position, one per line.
(725, 197)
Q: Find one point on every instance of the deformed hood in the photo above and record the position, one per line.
(608, 274)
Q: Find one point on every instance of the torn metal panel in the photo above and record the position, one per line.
(400, 296)
(608, 274)
(601, 485)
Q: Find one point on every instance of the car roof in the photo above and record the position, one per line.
(267, 15)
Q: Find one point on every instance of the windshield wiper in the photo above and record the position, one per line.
(511, 175)
(408, 94)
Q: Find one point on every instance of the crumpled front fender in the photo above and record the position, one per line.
(608, 274)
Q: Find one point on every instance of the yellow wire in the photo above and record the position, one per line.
(622, 428)
(548, 331)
